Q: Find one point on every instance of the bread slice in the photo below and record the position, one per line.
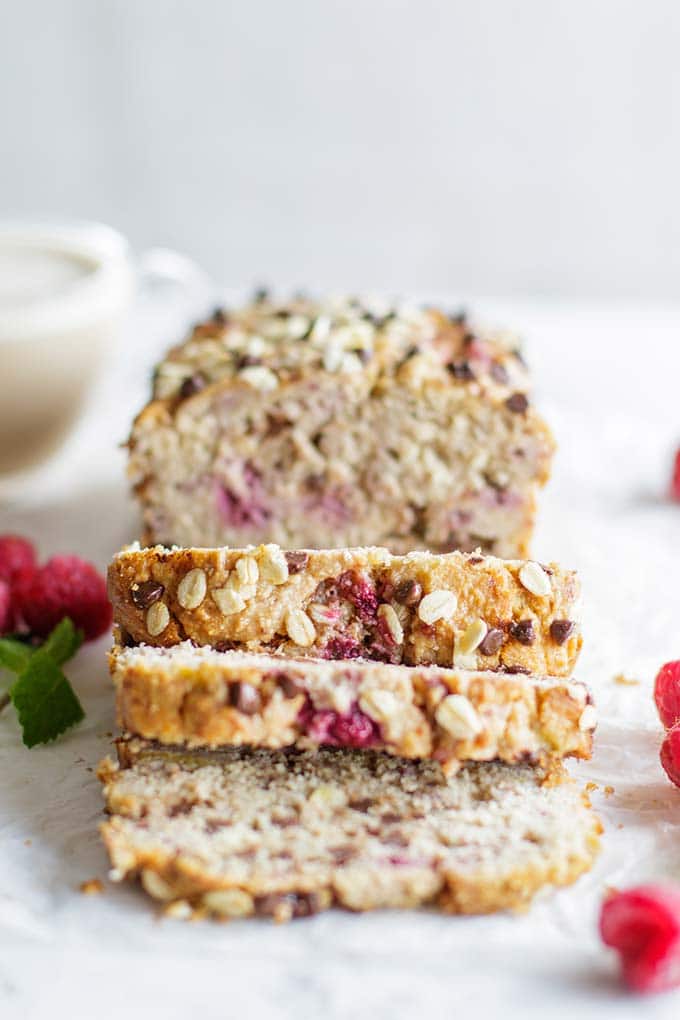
(330, 423)
(202, 697)
(236, 833)
(472, 611)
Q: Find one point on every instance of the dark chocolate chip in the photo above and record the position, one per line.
(145, 593)
(408, 592)
(516, 669)
(192, 384)
(523, 631)
(220, 315)
(560, 630)
(458, 318)
(296, 561)
(245, 697)
(361, 804)
(499, 372)
(517, 403)
(461, 370)
(288, 686)
(247, 361)
(492, 642)
(342, 854)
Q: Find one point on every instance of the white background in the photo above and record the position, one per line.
(493, 146)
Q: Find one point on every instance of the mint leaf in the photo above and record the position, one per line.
(63, 642)
(44, 700)
(14, 655)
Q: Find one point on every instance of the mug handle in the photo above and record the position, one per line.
(160, 268)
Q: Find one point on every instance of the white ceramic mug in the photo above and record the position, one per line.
(64, 293)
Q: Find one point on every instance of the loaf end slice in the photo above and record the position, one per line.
(323, 423)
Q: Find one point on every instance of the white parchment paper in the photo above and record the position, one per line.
(607, 379)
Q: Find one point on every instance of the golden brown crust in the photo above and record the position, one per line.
(483, 588)
(528, 830)
(199, 697)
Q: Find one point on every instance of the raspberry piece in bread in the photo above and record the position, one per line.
(327, 423)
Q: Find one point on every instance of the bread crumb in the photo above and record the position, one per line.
(626, 681)
(608, 791)
(591, 787)
(92, 887)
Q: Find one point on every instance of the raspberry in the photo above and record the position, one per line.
(643, 925)
(354, 729)
(667, 693)
(325, 726)
(675, 480)
(17, 558)
(358, 590)
(6, 614)
(65, 586)
(670, 754)
(342, 646)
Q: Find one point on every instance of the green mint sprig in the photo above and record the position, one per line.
(45, 702)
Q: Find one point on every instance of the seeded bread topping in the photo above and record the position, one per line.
(234, 833)
(465, 610)
(201, 697)
(339, 423)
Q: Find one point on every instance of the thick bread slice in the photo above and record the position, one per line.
(202, 697)
(472, 611)
(235, 833)
(326, 423)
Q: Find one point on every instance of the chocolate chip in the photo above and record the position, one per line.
(517, 403)
(362, 804)
(145, 593)
(516, 669)
(523, 631)
(408, 592)
(247, 361)
(220, 315)
(461, 370)
(192, 384)
(499, 372)
(288, 686)
(296, 561)
(492, 642)
(245, 697)
(560, 630)
(342, 854)
(475, 559)
(458, 318)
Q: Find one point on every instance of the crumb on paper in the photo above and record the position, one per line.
(608, 791)
(92, 887)
(626, 681)
(591, 787)
(28, 842)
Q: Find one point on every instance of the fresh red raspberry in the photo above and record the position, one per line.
(65, 586)
(643, 925)
(675, 480)
(17, 558)
(667, 693)
(6, 614)
(670, 754)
